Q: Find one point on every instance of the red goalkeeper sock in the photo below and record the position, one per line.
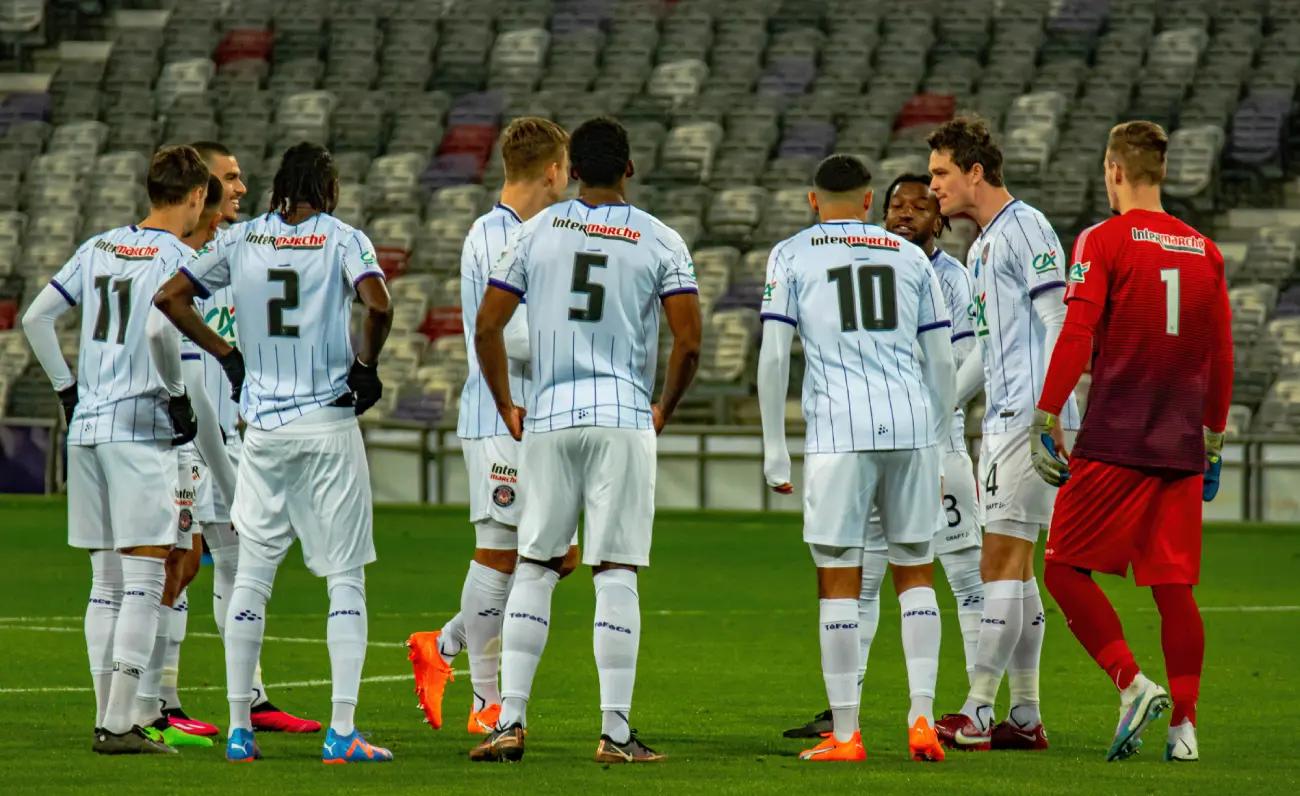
(1092, 620)
(1182, 636)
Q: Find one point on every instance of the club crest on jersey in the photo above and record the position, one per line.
(313, 241)
(1044, 262)
(1078, 272)
(1191, 244)
(124, 252)
(503, 496)
(594, 230)
(185, 521)
(857, 241)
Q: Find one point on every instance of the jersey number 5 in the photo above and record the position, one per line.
(583, 262)
(275, 308)
(122, 288)
(875, 295)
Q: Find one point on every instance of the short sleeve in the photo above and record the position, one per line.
(780, 291)
(358, 259)
(677, 269)
(932, 311)
(1036, 253)
(957, 298)
(68, 278)
(510, 271)
(1089, 270)
(209, 269)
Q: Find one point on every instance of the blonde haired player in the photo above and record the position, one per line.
(537, 172)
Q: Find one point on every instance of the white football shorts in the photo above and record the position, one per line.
(841, 489)
(1010, 488)
(607, 474)
(121, 494)
(209, 504)
(309, 482)
(960, 516)
(495, 476)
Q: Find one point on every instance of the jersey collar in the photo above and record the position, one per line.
(602, 204)
(995, 218)
(510, 210)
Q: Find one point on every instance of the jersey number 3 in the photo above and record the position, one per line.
(583, 262)
(875, 295)
(276, 307)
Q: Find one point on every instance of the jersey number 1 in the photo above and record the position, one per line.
(275, 308)
(583, 262)
(122, 288)
(1170, 277)
(875, 295)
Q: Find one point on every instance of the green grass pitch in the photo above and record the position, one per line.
(728, 659)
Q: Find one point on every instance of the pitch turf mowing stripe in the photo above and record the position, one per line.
(77, 689)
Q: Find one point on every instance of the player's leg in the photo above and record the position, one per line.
(958, 548)
(619, 508)
(90, 528)
(1169, 561)
(1098, 512)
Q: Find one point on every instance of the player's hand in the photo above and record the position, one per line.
(1047, 448)
(776, 471)
(1213, 464)
(658, 417)
(233, 365)
(513, 416)
(68, 397)
(185, 426)
(363, 381)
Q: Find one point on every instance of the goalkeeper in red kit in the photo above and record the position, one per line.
(1148, 305)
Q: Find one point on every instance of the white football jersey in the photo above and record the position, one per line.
(483, 247)
(114, 276)
(219, 314)
(594, 277)
(956, 285)
(1016, 257)
(292, 286)
(860, 297)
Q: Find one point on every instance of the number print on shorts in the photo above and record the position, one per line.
(991, 482)
(950, 508)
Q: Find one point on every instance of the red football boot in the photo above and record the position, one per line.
(268, 718)
(1007, 735)
(957, 731)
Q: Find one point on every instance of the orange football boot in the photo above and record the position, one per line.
(484, 721)
(923, 742)
(831, 750)
(432, 674)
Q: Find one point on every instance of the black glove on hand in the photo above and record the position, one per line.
(364, 382)
(185, 426)
(68, 397)
(233, 365)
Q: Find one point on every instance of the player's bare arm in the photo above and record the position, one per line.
(683, 313)
(378, 320)
(490, 345)
(175, 299)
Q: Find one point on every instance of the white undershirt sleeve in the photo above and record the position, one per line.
(970, 378)
(165, 350)
(773, 384)
(940, 376)
(38, 325)
(518, 347)
(1050, 307)
(209, 442)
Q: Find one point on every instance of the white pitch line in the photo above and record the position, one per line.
(276, 639)
(77, 689)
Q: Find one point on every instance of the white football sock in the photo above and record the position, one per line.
(101, 619)
(245, 626)
(225, 562)
(963, 571)
(482, 604)
(523, 638)
(133, 638)
(345, 632)
(148, 704)
(616, 637)
(921, 633)
(838, 631)
(452, 640)
(874, 566)
(177, 622)
(1022, 674)
(999, 634)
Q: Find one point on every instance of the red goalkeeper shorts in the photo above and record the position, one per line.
(1108, 517)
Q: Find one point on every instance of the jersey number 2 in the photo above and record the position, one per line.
(583, 262)
(122, 288)
(275, 308)
(875, 295)
(1170, 277)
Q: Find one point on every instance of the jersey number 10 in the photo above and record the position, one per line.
(875, 296)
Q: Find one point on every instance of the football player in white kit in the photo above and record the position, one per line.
(595, 271)
(207, 469)
(1017, 266)
(302, 473)
(912, 212)
(863, 301)
(125, 411)
(535, 153)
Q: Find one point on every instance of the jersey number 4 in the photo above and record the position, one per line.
(122, 287)
(276, 307)
(583, 262)
(875, 296)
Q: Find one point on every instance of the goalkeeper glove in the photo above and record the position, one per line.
(68, 397)
(1213, 463)
(364, 382)
(1043, 452)
(184, 424)
(233, 364)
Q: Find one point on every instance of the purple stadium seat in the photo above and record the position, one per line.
(421, 407)
(807, 139)
(25, 107)
(479, 108)
(451, 169)
(1080, 17)
(1288, 304)
(788, 77)
(1257, 128)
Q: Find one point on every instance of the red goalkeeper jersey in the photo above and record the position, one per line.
(1162, 337)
